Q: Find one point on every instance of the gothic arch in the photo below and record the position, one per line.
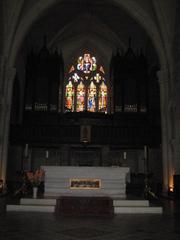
(99, 30)
(132, 8)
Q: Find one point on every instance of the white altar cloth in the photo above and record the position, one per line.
(113, 180)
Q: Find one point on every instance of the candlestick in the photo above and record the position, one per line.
(145, 152)
(47, 153)
(26, 150)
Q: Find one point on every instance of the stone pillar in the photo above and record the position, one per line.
(7, 77)
(167, 161)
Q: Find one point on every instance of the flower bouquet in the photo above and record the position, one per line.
(35, 178)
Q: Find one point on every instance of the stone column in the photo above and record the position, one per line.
(7, 77)
(167, 163)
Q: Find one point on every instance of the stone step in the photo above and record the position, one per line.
(138, 210)
(38, 201)
(30, 208)
(117, 210)
(130, 203)
(120, 206)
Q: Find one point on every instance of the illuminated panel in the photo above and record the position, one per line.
(86, 89)
(86, 63)
(84, 183)
(69, 101)
(91, 104)
(80, 97)
(103, 98)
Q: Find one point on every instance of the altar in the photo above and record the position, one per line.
(85, 181)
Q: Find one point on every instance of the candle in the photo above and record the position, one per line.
(26, 150)
(124, 155)
(145, 152)
(1, 185)
(47, 153)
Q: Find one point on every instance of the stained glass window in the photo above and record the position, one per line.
(75, 77)
(86, 88)
(101, 69)
(80, 104)
(97, 77)
(86, 63)
(71, 69)
(91, 100)
(103, 97)
(69, 105)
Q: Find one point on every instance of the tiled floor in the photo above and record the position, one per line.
(46, 226)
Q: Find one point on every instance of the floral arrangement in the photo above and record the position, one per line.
(35, 178)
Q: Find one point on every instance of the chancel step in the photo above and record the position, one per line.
(120, 206)
(38, 201)
(138, 210)
(130, 203)
(30, 208)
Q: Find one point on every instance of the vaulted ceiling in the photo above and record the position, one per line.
(98, 26)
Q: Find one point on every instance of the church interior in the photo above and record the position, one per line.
(91, 84)
(83, 80)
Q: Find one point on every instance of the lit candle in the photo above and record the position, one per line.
(145, 152)
(47, 153)
(171, 189)
(1, 185)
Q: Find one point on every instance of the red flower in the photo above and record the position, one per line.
(35, 178)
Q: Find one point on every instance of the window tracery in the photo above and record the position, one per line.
(86, 88)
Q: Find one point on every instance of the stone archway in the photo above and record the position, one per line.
(136, 12)
(132, 8)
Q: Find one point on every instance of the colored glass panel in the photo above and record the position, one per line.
(86, 63)
(86, 88)
(97, 77)
(75, 77)
(91, 99)
(103, 98)
(71, 69)
(101, 69)
(80, 104)
(69, 101)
